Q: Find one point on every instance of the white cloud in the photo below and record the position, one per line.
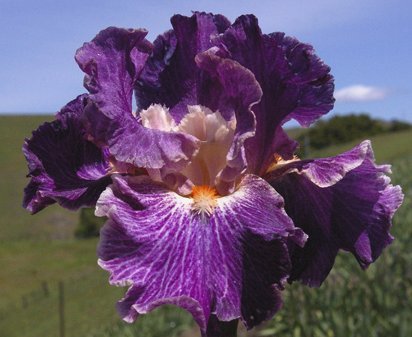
(360, 93)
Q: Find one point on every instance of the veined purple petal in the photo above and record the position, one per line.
(229, 264)
(171, 76)
(112, 61)
(63, 166)
(352, 213)
(295, 82)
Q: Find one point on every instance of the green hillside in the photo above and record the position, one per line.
(36, 252)
(387, 147)
(40, 249)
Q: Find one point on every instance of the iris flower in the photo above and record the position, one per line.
(208, 207)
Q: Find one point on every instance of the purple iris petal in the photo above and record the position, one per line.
(295, 82)
(112, 62)
(353, 211)
(171, 76)
(63, 166)
(230, 264)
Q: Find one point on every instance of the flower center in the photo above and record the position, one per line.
(200, 178)
(216, 136)
(204, 199)
(210, 128)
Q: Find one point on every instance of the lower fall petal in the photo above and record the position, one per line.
(228, 264)
(353, 214)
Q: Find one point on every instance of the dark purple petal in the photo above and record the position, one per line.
(171, 76)
(112, 62)
(352, 213)
(63, 166)
(74, 107)
(230, 264)
(295, 82)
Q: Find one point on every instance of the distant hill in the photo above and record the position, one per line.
(344, 129)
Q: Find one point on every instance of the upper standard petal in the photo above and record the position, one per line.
(295, 82)
(171, 76)
(230, 91)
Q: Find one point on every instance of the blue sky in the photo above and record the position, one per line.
(366, 42)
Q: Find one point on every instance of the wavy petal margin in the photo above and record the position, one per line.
(113, 61)
(350, 210)
(295, 82)
(171, 76)
(63, 166)
(230, 264)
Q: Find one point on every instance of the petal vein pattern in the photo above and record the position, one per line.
(171, 254)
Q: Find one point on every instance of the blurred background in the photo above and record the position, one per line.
(50, 284)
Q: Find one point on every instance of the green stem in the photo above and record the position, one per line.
(222, 329)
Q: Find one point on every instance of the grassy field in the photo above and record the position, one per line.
(36, 252)
(388, 147)
(41, 248)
